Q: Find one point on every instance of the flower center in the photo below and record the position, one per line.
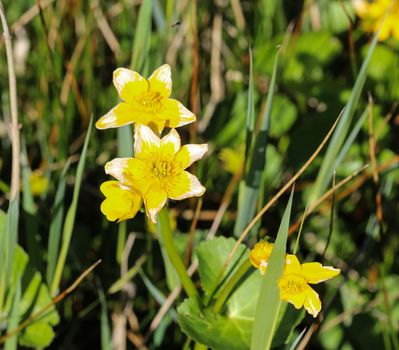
(150, 102)
(162, 169)
(291, 284)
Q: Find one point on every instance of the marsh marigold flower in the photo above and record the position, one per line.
(158, 169)
(145, 101)
(294, 283)
(260, 254)
(372, 13)
(121, 202)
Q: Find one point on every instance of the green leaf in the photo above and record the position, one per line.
(33, 298)
(269, 299)
(37, 335)
(232, 331)
(212, 255)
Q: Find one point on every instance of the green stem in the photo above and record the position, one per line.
(173, 254)
(231, 283)
(121, 241)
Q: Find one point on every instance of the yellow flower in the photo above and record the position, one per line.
(372, 13)
(294, 283)
(38, 183)
(145, 101)
(121, 202)
(158, 169)
(233, 159)
(260, 254)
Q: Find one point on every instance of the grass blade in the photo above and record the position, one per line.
(56, 225)
(106, 343)
(329, 162)
(11, 343)
(70, 217)
(255, 156)
(142, 35)
(269, 298)
(8, 242)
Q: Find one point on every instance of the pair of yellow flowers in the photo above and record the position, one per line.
(157, 171)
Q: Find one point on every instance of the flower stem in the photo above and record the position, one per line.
(173, 254)
(231, 283)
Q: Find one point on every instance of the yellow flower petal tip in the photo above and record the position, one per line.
(294, 283)
(372, 13)
(158, 170)
(260, 254)
(121, 202)
(145, 101)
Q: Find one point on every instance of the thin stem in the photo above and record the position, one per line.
(15, 139)
(229, 286)
(173, 254)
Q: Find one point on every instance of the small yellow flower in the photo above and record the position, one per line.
(38, 183)
(121, 202)
(233, 159)
(260, 254)
(294, 283)
(145, 101)
(158, 169)
(372, 13)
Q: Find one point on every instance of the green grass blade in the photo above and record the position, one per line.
(8, 242)
(250, 117)
(30, 211)
(121, 282)
(351, 138)
(338, 138)
(14, 319)
(142, 35)
(269, 302)
(125, 149)
(106, 342)
(56, 225)
(249, 189)
(70, 217)
(157, 294)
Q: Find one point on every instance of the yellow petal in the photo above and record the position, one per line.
(138, 175)
(122, 114)
(292, 264)
(260, 253)
(154, 200)
(160, 81)
(312, 302)
(121, 202)
(175, 114)
(144, 140)
(361, 7)
(129, 84)
(189, 154)
(314, 272)
(184, 185)
(295, 299)
(117, 168)
(171, 140)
